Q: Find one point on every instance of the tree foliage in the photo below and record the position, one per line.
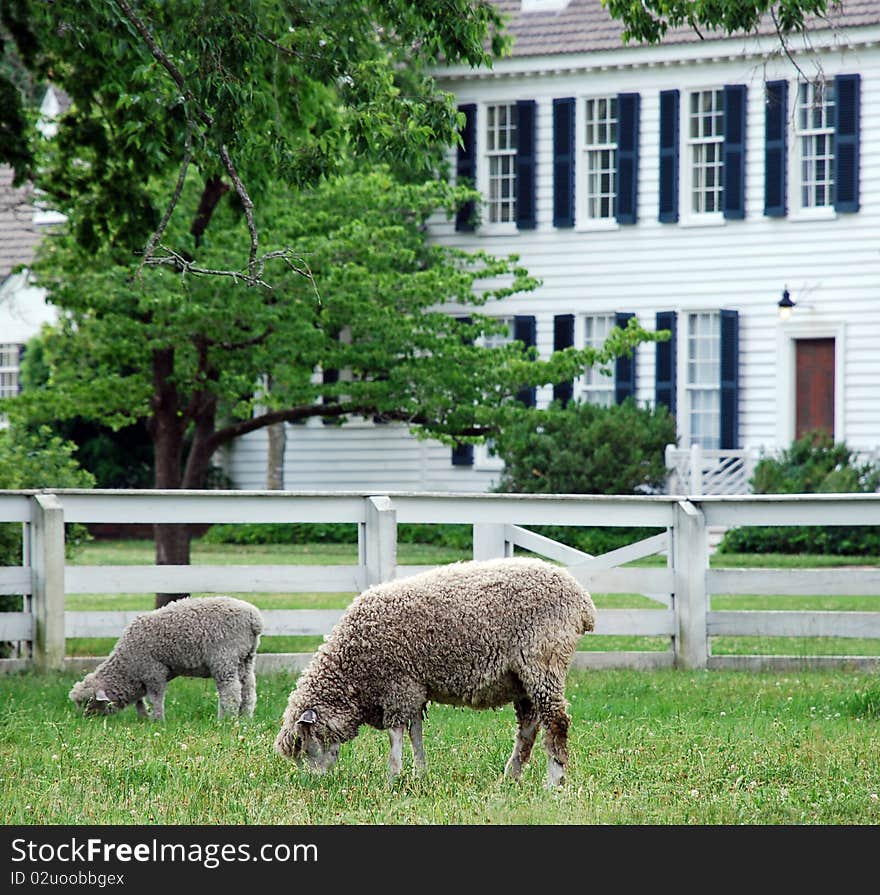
(584, 448)
(649, 20)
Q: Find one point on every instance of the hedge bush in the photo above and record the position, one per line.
(813, 464)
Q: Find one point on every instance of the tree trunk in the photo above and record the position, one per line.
(275, 458)
(172, 540)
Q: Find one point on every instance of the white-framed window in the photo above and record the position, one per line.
(484, 456)
(9, 370)
(705, 142)
(595, 387)
(702, 378)
(814, 134)
(600, 157)
(500, 195)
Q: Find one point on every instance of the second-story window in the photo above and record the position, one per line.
(501, 153)
(815, 135)
(600, 151)
(706, 145)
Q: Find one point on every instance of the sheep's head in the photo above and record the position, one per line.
(311, 741)
(91, 696)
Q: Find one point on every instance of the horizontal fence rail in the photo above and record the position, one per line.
(680, 590)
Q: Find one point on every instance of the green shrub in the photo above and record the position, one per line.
(457, 536)
(587, 449)
(35, 459)
(814, 464)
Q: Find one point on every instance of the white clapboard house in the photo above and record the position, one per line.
(726, 189)
(697, 184)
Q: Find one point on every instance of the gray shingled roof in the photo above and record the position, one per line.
(19, 235)
(585, 26)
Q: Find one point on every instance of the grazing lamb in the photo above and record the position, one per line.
(198, 637)
(478, 634)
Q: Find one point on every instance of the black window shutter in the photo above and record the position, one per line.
(563, 337)
(627, 157)
(734, 151)
(525, 164)
(729, 380)
(668, 156)
(846, 142)
(775, 148)
(624, 367)
(22, 350)
(563, 162)
(466, 165)
(525, 331)
(664, 370)
(463, 454)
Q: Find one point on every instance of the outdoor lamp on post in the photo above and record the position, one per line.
(785, 305)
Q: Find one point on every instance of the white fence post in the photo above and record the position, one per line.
(47, 565)
(691, 562)
(490, 541)
(380, 535)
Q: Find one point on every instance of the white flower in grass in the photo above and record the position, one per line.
(874, 797)
(184, 747)
(694, 793)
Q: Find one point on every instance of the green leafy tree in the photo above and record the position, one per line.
(175, 301)
(190, 356)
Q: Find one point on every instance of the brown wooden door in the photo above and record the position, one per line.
(814, 388)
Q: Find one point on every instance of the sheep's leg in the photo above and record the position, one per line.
(228, 692)
(395, 758)
(546, 688)
(527, 729)
(156, 695)
(418, 745)
(555, 721)
(248, 687)
(141, 708)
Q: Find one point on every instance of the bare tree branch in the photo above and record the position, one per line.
(252, 278)
(178, 189)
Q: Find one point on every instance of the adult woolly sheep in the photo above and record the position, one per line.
(196, 637)
(478, 634)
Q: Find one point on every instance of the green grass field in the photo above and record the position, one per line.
(665, 747)
(659, 747)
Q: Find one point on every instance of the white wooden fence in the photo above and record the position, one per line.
(681, 589)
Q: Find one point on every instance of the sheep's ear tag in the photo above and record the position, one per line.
(308, 717)
(101, 696)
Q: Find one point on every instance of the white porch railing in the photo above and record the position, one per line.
(681, 589)
(696, 470)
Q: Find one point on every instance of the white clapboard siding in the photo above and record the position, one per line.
(830, 263)
(780, 623)
(213, 579)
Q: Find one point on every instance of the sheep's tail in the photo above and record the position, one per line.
(588, 612)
